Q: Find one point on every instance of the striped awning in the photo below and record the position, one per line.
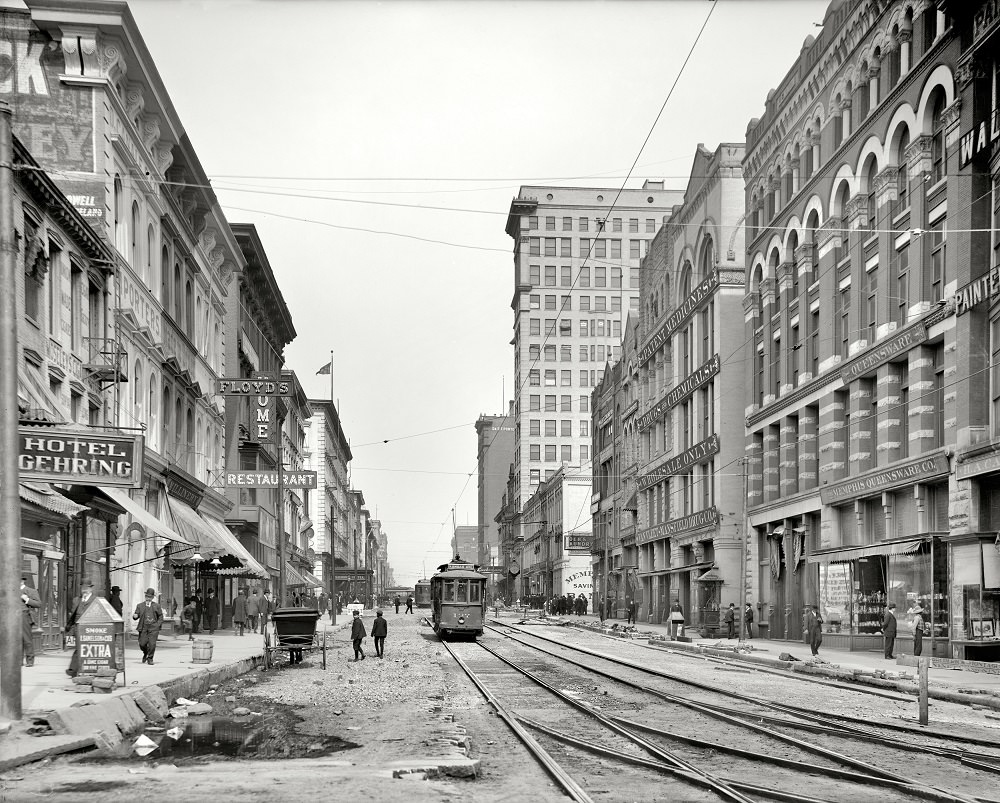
(906, 547)
(293, 579)
(43, 495)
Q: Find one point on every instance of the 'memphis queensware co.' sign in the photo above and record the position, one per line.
(51, 454)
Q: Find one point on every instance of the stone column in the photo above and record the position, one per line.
(832, 438)
(845, 117)
(890, 428)
(816, 139)
(772, 459)
(921, 412)
(808, 447)
(788, 465)
(919, 159)
(861, 449)
(905, 46)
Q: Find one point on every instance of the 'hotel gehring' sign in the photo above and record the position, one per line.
(887, 479)
(667, 529)
(262, 392)
(51, 454)
(884, 352)
(269, 479)
(675, 465)
(678, 316)
(675, 395)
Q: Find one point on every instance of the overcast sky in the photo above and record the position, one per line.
(377, 146)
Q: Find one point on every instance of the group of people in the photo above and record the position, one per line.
(729, 619)
(380, 629)
(397, 600)
(568, 604)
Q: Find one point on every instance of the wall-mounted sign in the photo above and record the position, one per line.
(980, 139)
(676, 465)
(666, 529)
(678, 316)
(269, 479)
(884, 352)
(259, 386)
(857, 487)
(983, 288)
(700, 376)
(52, 454)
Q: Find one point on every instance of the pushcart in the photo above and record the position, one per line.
(293, 631)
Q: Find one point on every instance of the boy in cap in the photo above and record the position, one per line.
(357, 635)
(379, 630)
(150, 619)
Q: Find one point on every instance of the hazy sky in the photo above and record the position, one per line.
(377, 146)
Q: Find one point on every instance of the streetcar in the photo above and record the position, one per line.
(422, 594)
(458, 599)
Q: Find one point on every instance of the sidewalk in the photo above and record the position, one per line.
(48, 693)
(957, 685)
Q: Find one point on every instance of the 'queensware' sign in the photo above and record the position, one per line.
(51, 454)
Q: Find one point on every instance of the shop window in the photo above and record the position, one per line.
(874, 520)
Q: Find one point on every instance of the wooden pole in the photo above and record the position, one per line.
(922, 663)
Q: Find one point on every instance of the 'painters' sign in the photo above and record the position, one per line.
(51, 454)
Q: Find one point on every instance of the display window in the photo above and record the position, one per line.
(976, 591)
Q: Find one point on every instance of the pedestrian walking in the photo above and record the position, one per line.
(380, 629)
(396, 602)
(80, 605)
(729, 618)
(676, 620)
(253, 610)
(29, 604)
(889, 630)
(149, 616)
(199, 613)
(115, 598)
(814, 626)
(239, 613)
(633, 608)
(210, 612)
(409, 604)
(266, 609)
(918, 630)
(324, 604)
(748, 619)
(358, 634)
(188, 614)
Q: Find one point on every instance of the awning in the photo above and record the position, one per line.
(906, 547)
(690, 568)
(711, 576)
(48, 498)
(139, 514)
(293, 578)
(310, 579)
(39, 404)
(237, 550)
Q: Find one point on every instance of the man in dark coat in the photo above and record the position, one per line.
(29, 604)
(149, 618)
(357, 635)
(199, 611)
(210, 612)
(379, 630)
(409, 603)
(239, 613)
(115, 599)
(814, 626)
(889, 629)
(748, 619)
(396, 602)
(80, 604)
(729, 618)
(632, 609)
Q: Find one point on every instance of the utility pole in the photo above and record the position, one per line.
(11, 658)
(744, 531)
(281, 512)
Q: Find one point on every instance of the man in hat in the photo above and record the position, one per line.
(149, 617)
(116, 599)
(917, 612)
(80, 604)
(889, 630)
(29, 601)
(380, 629)
(357, 636)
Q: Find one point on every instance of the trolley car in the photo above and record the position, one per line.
(422, 594)
(458, 599)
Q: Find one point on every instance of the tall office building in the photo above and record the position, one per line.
(576, 276)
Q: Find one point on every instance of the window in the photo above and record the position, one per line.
(550, 378)
(535, 476)
(565, 247)
(633, 249)
(938, 140)
(616, 224)
(584, 303)
(566, 404)
(584, 354)
(844, 319)
(550, 246)
(535, 426)
(35, 267)
(937, 267)
(550, 353)
(550, 428)
(584, 403)
(534, 301)
(792, 367)
(566, 453)
(567, 224)
(550, 303)
(814, 343)
(616, 303)
(565, 354)
(616, 278)
(566, 276)
(600, 249)
(550, 453)
(584, 277)
(633, 279)
(584, 247)
(616, 249)
(566, 428)
(584, 380)
(565, 328)
(584, 329)
(534, 247)
(534, 352)
(134, 240)
(776, 367)
(550, 223)
(600, 277)
(584, 224)
(565, 303)
(534, 326)
(600, 304)
(870, 291)
(54, 284)
(650, 225)
(534, 275)
(584, 429)
(533, 222)
(550, 275)
(901, 301)
(534, 452)
(534, 377)
(584, 453)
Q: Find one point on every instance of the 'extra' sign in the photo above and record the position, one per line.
(51, 454)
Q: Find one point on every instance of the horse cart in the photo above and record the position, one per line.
(293, 631)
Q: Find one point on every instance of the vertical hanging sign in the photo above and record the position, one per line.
(262, 415)
(261, 393)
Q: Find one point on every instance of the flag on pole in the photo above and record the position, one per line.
(325, 369)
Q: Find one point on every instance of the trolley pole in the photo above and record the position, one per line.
(10, 503)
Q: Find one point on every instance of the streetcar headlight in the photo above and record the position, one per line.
(461, 620)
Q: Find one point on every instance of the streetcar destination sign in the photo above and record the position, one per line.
(269, 479)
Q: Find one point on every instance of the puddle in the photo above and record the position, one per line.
(199, 738)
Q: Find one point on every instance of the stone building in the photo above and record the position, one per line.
(495, 452)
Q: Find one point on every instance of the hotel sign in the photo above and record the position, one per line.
(883, 353)
(857, 487)
(51, 454)
(696, 521)
(678, 316)
(269, 479)
(684, 460)
(701, 376)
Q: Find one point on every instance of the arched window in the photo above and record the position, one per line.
(199, 451)
(165, 278)
(134, 253)
(178, 431)
(178, 295)
(937, 137)
(788, 190)
(871, 168)
(153, 428)
(793, 243)
(189, 309)
(812, 229)
(119, 212)
(837, 121)
(165, 439)
(930, 19)
(217, 349)
(707, 258)
(138, 394)
(150, 254)
(807, 156)
(189, 444)
(895, 58)
(199, 329)
(769, 212)
(772, 264)
(902, 174)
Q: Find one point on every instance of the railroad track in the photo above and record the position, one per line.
(707, 750)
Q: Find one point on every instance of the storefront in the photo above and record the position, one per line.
(975, 597)
(857, 584)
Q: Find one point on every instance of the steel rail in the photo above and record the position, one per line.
(709, 710)
(551, 766)
(663, 767)
(924, 732)
(695, 775)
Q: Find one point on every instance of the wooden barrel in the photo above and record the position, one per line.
(201, 651)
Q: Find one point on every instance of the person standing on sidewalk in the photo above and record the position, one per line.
(633, 608)
(116, 599)
(729, 617)
(239, 613)
(253, 610)
(889, 630)
(358, 634)
(380, 629)
(266, 608)
(814, 626)
(748, 619)
(918, 631)
(149, 615)
(29, 602)
(80, 604)
(210, 612)
(199, 613)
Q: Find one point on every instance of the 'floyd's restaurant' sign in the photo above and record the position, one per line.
(51, 454)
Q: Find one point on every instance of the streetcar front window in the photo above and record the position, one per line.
(463, 591)
(474, 591)
(449, 590)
